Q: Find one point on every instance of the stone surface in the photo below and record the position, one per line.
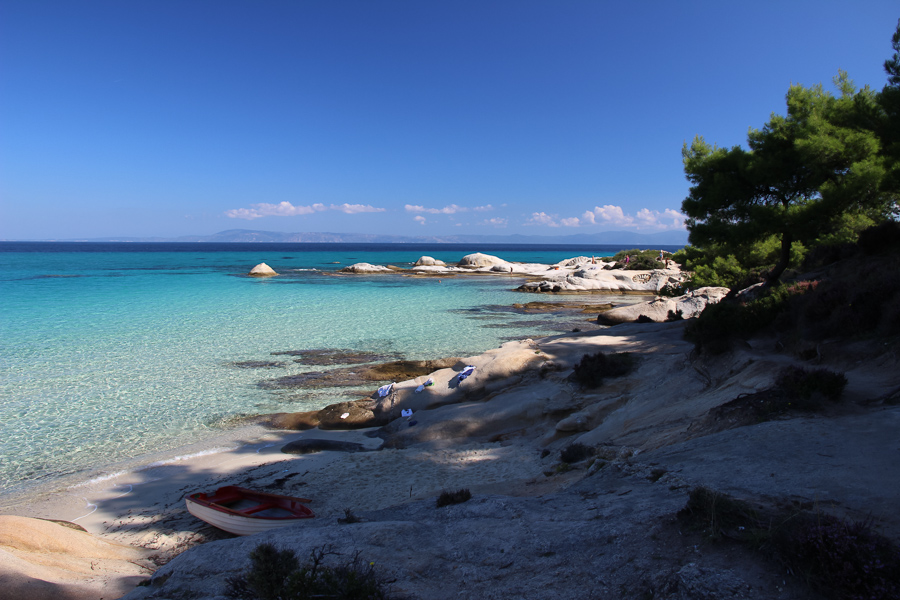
(690, 305)
(318, 445)
(596, 278)
(478, 260)
(427, 261)
(262, 270)
(42, 560)
(366, 268)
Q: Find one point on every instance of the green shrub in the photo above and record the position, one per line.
(721, 323)
(801, 385)
(574, 453)
(277, 575)
(593, 368)
(717, 515)
(458, 497)
(880, 238)
(842, 559)
(639, 260)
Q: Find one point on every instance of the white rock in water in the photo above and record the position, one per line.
(262, 270)
(366, 268)
(427, 261)
(478, 260)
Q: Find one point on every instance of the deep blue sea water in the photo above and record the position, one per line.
(113, 350)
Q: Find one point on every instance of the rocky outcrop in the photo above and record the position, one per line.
(594, 278)
(427, 261)
(479, 260)
(686, 306)
(262, 270)
(366, 268)
(44, 560)
(619, 507)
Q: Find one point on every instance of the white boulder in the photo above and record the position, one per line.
(366, 268)
(262, 270)
(479, 260)
(427, 261)
(690, 305)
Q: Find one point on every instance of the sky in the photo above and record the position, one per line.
(417, 117)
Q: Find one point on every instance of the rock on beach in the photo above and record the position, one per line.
(45, 560)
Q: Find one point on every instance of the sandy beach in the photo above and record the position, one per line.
(500, 434)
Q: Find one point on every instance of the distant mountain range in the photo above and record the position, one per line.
(665, 238)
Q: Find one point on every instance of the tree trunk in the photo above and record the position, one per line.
(787, 239)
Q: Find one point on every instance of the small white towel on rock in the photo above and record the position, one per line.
(466, 372)
(385, 390)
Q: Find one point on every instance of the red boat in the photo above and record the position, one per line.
(241, 511)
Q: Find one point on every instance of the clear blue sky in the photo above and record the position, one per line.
(416, 117)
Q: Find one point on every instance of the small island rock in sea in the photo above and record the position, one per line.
(262, 270)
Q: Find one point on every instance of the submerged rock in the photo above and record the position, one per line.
(343, 415)
(358, 376)
(335, 356)
(258, 364)
(262, 270)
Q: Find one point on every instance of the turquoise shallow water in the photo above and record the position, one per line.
(111, 351)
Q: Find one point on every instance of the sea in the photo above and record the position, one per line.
(111, 351)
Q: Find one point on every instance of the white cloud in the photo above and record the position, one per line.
(496, 222)
(286, 209)
(447, 210)
(572, 222)
(613, 215)
(282, 209)
(542, 218)
(645, 218)
(351, 209)
(485, 208)
(420, 219)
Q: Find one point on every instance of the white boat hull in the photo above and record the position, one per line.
(236, 524)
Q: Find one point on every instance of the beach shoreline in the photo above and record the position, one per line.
(500, 435)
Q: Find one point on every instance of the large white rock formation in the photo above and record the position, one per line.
(262, 270)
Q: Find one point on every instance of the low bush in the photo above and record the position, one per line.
(574, 453)
(593, 368)
(639, 260)
(718, 515)
(802, 386)
(349, 518)
(277, 575)
(719, 324)
(842, 559)
(458, 497)
(880, 238)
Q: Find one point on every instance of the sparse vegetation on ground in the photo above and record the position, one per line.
(576, 452)
(276, 574)
(593, 368)
(638, 260)
(842, 559)
(458, 497)
(858, 296)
